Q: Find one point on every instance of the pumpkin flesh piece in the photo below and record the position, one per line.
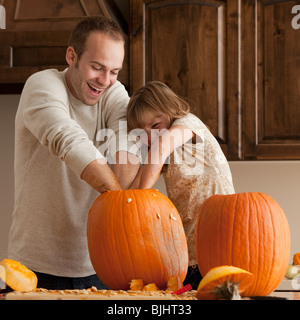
(136, 285)
(150, 287)
(174, 284)
(18, 277)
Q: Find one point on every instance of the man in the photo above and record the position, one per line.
(59, 170)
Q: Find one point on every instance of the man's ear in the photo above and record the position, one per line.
(71, 56)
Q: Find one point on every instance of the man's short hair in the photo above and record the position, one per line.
(88, 25)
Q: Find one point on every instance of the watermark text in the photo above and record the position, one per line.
(296, 19)
(139, 143)
(2, 17)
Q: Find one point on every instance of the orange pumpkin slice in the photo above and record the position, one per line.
(296, 259)
(150, 287)
(174, 284)
(136, 284)
(224, 282)
(18, 277)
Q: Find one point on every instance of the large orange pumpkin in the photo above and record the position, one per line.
(245, 230)
(136, 234)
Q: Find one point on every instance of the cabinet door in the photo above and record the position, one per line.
(271, 124)
(192, 46)
(37, 33)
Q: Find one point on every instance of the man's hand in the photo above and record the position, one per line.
(126, 168)
(98, 175)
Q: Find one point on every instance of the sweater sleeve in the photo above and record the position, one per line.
(114, 116)
(45, 111)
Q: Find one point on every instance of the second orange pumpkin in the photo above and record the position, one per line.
(245, 230)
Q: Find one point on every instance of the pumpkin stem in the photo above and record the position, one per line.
(227, 291)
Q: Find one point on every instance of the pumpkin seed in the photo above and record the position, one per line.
(172, 217)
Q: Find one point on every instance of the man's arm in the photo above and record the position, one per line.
(98, 175)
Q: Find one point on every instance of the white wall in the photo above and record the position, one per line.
(279, 179)
(8, 108)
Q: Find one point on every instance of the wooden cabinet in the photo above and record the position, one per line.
(271, 60)
(237, 61)
(185, 45)
(37, 33)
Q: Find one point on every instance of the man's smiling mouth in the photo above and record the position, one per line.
(95, 89)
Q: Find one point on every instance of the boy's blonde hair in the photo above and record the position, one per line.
(151, 99)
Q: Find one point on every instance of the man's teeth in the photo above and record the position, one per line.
(95, 89)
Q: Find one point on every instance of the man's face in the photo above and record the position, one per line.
(97, 69)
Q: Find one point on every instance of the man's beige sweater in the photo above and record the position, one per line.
(55, 138)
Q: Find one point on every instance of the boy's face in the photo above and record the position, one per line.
(155, 125)
(98, 67)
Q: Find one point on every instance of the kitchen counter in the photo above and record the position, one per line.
(288, 290)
